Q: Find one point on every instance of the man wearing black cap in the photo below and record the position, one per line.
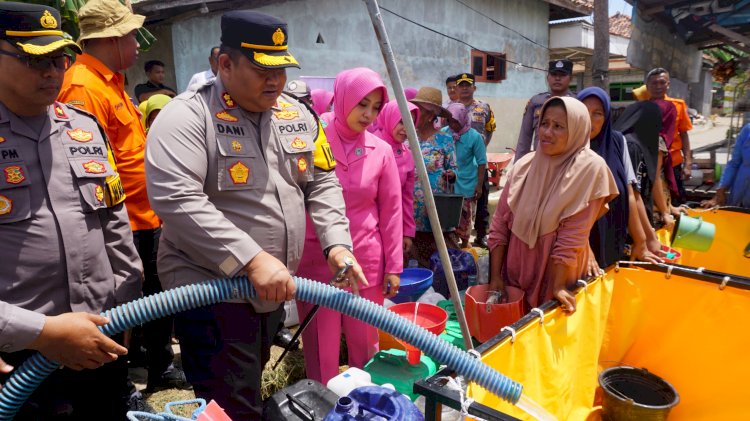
(67, 251)
(232, 168)
(558, 79)
(482, 120)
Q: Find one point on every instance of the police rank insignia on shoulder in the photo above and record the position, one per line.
(228, 101)
(2, 139)
(286, 115)
(94, 167)
(59, 112)
(302, 164)
(80, 135)
(14, 174)
(6, 205)
(298, 143)
(239, 173)
(283, 104)
(223, 115)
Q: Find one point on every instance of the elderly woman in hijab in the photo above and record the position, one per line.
(151, 108)
(393, 132)
(609, 233)
(372, 192)
(539, 233)
(471, 162)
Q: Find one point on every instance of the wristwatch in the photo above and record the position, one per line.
(328, 249)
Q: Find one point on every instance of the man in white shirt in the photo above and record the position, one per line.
(210, 74)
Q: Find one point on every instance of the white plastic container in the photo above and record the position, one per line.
(351, 379)
(292, 318)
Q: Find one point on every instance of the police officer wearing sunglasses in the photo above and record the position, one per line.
(66, 249)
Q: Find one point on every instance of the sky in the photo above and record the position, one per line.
(619, 6)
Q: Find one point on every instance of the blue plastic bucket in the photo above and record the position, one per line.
(414, 282)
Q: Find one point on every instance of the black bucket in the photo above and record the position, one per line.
(448, 209)
(635, 394)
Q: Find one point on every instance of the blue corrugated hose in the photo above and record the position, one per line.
(33, 371)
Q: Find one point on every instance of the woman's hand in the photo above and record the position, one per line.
(592, 266)
(640, 252)
(668, 221)
(567, 300)
(449, 175)
(654, 246)
(407, 245)
(391, 282)
(679, 210)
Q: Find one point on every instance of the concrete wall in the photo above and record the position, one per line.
(423, 58)
(161, 50)
(700, 93)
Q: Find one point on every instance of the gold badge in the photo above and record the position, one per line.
(236, 146)
(99, 192)
(59, 112)
(14, 174)
(228, 101)
(478, 110)
(286, 115)
(283, 104)
(80, 135)
(2, 139)
(6, 205)
(94, 167)
(48, 21)
(302, 164)
(278, 37)
(239, 173)
(223, 115)
(298, 143)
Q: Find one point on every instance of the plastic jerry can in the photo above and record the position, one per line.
(374, 403)
(305, 400)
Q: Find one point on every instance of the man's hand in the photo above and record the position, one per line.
(391, 282)
(271, 279)
(640, 252)
(74, 340)
(686, 171)
(354, 276)
(407, 245)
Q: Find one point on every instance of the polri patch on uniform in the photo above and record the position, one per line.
(6, 205)
(239, 173)
(80, 135)
(302, 164)
(286, 115)
(223, 115)
(236, 146)
(99, 193)
(228, 101)
(14, 174)
(94, 167)
(298, 143)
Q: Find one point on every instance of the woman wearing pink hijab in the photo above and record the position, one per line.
(321, 100)
(372, 192)
(392, 130)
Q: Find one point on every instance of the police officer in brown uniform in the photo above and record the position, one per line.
(558, 78)
(67, 252)
(232, 166)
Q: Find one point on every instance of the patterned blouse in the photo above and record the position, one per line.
(439, 156)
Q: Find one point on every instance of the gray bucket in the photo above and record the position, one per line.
(635, 394)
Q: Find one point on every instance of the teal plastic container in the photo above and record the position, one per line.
(391, 366)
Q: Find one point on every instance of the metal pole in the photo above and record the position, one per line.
(411, 132)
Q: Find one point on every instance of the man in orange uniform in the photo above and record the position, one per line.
(95, 83)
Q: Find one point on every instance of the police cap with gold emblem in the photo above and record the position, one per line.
(561, 66)
(262, 38)
(33, 29)
(465, 78)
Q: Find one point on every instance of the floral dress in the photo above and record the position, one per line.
(439, 156)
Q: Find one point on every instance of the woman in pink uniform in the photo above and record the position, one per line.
(372, 192)
(392, 130)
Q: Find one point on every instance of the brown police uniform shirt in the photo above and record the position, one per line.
(530, 123)
(65, 239)
(482, 119)
(228, 183)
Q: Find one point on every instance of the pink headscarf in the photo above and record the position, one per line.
(321, 100)
(389, 117)
(410, 93)
(349, 88)
(461, 114)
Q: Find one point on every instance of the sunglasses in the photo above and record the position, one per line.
(42, 63)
